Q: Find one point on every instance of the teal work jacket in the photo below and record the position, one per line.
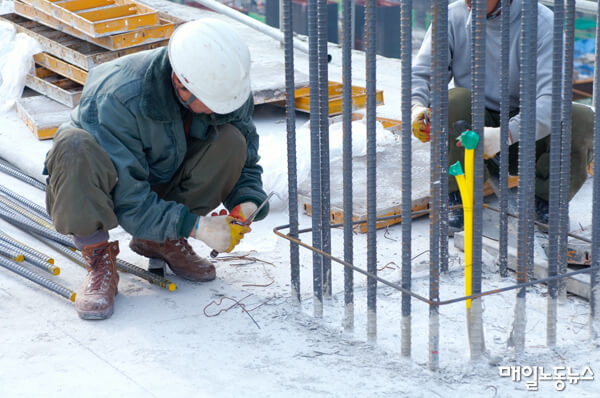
(130, 107)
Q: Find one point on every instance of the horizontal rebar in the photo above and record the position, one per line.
(438, 302)
(11, 170)
(11, 253)
(39, 279)
(39, 210)
(32, 226)
(19, 209)
(24, 248)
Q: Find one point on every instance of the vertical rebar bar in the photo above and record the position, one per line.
(315, 158)
(324, 134)
(288, 36)
(443, 141)
(595, 275)
(565, 154)
(39, 279)
(504, 119)
(526, 167)
(555, 167)
(371, 170)
(347, 163)
(406, 56)
(478, 38)
(434, 190)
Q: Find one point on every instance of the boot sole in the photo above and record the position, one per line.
(96, 316)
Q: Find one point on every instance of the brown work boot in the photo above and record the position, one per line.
(96, 297)
(180, 256)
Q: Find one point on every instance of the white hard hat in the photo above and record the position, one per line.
(212, 61)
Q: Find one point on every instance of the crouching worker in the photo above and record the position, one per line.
(459, 102)
(159, 139)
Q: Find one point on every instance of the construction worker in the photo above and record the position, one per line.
(459, 100)
(159, 139)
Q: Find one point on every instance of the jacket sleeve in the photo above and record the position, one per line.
(421, 68)
(543, 101)
(421, 72)
(138, 208)
(249, 187)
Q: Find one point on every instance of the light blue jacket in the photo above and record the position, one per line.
(459, 56)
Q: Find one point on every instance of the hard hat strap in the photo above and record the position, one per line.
(190, 100)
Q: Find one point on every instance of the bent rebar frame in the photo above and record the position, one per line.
(563, 43)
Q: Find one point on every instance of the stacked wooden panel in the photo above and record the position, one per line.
(77, 35)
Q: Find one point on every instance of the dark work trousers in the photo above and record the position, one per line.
(82, 177)
(582, 129)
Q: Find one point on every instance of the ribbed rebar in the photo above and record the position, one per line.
(324, 134)
(347, 163)
(565, 154)
(290, 89)
(435, 183)
(11, 170)
(526, 160)
(443, 141)
(11, 253)
(315, 158)
(595, 276)
(478, 42)
(36, 278)
(32, 226)
(25, 249)
(555, 167)
(406, 56)
(371, 170)
(30, 259)
(504, 119)
(39, 210)
(19, 209)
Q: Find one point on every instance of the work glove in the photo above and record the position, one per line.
(421, 128)
(491, 144)
(243, 211)
(221, 233)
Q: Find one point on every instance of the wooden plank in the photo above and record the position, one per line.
(42, 115)
(61, 67)
(359, 98)
(75, 51)
(64, 12)
(109, 12)
(61, 90)
(142, 36)
(577, 284)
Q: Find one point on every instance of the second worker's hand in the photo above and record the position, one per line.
(221, 233)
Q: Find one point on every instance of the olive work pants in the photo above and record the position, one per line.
(582, 129)
(82, 177)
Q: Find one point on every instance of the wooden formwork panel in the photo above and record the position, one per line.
(98, 18)
(54, 86)
(73, 50)
(335, 91)
(42, 115)
(61, 67)
(141, 36)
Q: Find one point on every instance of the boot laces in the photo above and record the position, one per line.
(100, 272)
(185, 247)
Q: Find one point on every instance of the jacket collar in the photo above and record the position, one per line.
(158, 98)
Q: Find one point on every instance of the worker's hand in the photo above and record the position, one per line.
(219, 232)
(491, 144)
(420, 122)
(243, 211)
